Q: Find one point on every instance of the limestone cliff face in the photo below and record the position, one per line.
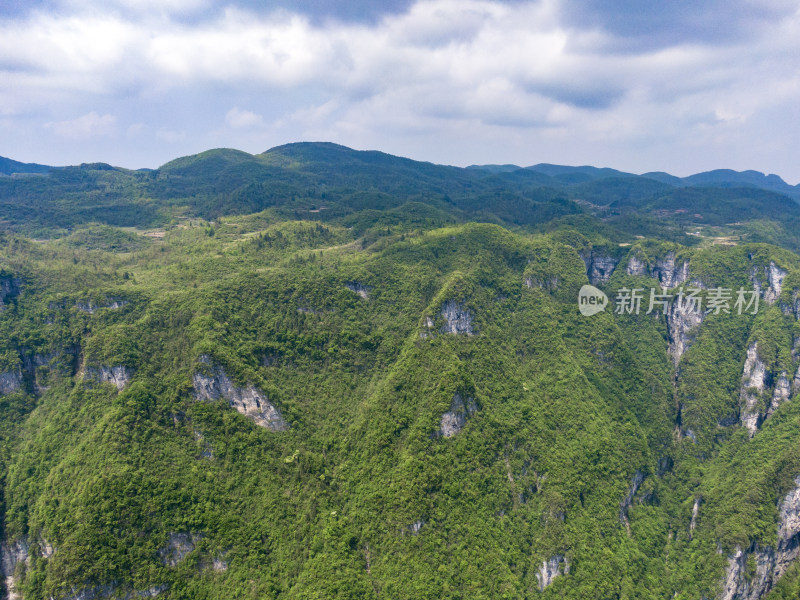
(458, 320)
(683, 321)
(669, 271)
(770, 564)
(695, 513)
(359, 288)
(454, 419)
(119, 375)
(112, 590)
(15, 557)
(91, 307)
(10, 382)
(550, 569)
(178, 546)
(11, 555)
(754, 382)
(214, 384)
(781, 393)
(788, 531)
(771, 286)
(762, 391)
(549, 284)
(636, 266)
(599, 267)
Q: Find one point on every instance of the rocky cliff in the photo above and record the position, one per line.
(683, 321)
(762, 391)
(118, 376)
(770, 564)
(669, 270)
(771, 286)
(454, 419)
(214, 384)
(550, 569)
(10, 382)
(599, 266)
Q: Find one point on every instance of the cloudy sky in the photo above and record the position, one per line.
(676, 85)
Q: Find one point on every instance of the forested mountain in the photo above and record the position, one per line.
(323, 373)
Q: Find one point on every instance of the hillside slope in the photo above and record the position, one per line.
(397, 401)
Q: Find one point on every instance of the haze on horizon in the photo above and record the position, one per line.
(681, 87)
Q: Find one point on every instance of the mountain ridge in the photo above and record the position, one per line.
(562, 173)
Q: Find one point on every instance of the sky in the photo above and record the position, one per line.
(681, 86)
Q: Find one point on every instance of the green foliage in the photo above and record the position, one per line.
(323, 277)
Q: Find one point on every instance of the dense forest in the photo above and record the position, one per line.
(323, 373)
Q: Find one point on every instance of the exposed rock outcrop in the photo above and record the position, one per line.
(458, 320)
(754, 382)
(359, 288)
(550, 284)
(89, 306)
(218, 563)
(454, 419)
(667, 269)
(770, 564)
(781, 393)
(683, 319)
(10, 382)
(627, 501)
(757, 404)
(119, 376)
(110, 590)
(695, 513)
(550, 569)
(599, 267)
(636, 266)
(92, 593)
(11, 555)
(669, 273)
(416, 526)
(771, 288)
(214, 384)
(178, 546)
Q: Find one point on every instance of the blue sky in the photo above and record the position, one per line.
(679, 86)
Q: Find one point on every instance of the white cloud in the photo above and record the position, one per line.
(446, 75)
(243, 119)
(89, 125)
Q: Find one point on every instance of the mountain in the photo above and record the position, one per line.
(323, 373)
(9, 167)
(495, 168)
(728, 178)
(583, 174)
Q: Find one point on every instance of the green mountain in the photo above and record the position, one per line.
(10, 167)
(323, 373)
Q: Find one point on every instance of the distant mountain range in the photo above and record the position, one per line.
(724, 178)
(561, 174)
(332, 183)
